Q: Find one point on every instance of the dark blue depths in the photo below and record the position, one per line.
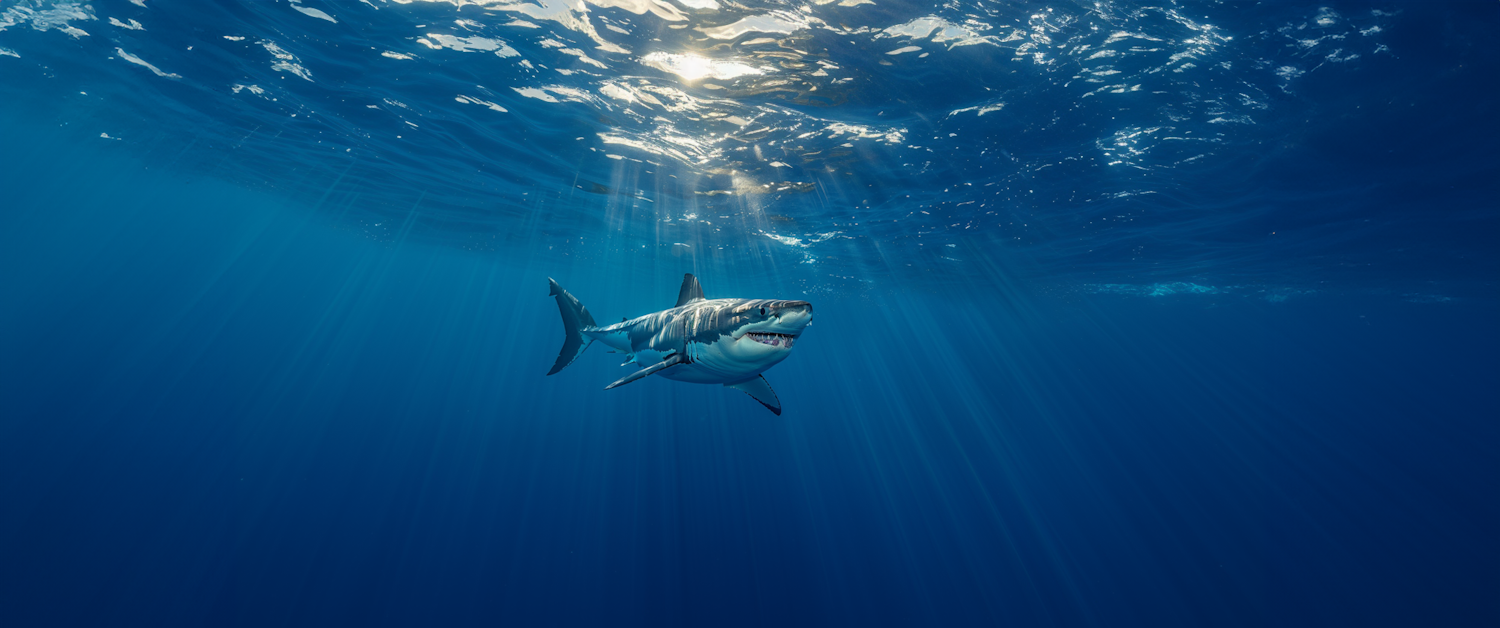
(221, 411)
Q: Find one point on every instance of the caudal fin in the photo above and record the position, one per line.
(575, 318)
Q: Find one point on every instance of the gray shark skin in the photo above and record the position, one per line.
(702, 341)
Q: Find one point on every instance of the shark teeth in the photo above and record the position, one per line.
(773, 339)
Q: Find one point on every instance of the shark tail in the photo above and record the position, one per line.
(575, 319)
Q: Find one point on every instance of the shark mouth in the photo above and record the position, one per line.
(773, 339)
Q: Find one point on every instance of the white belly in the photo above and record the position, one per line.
(709, 365)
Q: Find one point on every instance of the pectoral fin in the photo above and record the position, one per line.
(670, 362)
(760, 389)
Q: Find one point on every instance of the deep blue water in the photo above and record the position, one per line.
(1175, 314)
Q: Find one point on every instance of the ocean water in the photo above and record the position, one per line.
(1127, 313)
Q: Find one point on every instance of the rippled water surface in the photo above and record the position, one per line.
(1128, 313)
(1224, 144)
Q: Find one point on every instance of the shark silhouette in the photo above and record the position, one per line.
(699, 340)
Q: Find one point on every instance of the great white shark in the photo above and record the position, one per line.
(699, 340)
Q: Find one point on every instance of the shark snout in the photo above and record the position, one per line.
(802, 308)
(793, 314)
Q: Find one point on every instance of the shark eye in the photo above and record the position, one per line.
(762, 311)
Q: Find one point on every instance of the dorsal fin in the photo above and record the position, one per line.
(690, 291)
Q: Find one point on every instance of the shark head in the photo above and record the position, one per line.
(766, 331)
